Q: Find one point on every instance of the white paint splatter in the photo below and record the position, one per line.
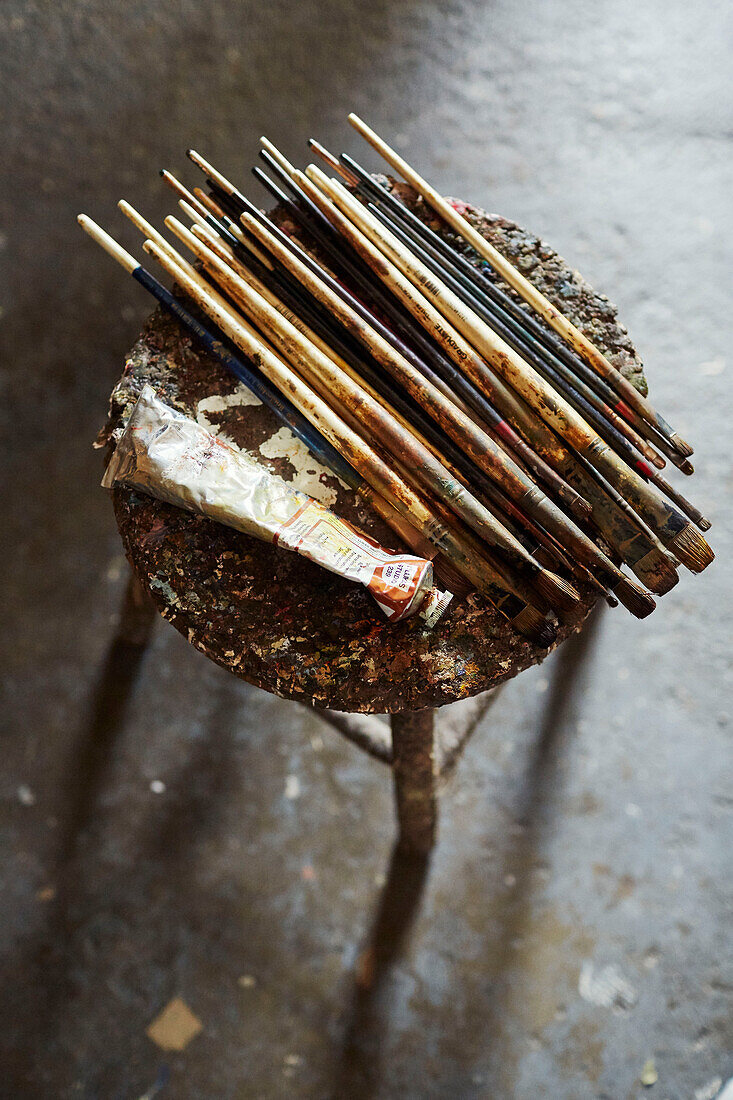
(308, 471)
(292, 787)
(283, 444)
(26, 796)
(219, 403)
(606, 987)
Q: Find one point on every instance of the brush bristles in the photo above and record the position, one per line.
(686, 468)
(657, 572)
(560, 595)
(692, 549)
(448, 575)
(533, 624)
(680, 445)
(704, 524)
(656, 459)
(635, 598)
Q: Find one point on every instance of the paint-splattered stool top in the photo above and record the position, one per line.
(279, 621)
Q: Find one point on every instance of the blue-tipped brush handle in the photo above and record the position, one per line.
(268, 394)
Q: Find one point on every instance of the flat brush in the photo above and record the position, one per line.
(524, 288)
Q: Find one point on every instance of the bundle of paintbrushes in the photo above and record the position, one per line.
(483, 425)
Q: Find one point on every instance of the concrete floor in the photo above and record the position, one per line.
(574, 921)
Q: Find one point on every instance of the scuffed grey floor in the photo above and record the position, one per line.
(574, 922)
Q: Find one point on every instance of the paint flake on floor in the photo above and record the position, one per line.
(649, 1075)
(175, 1026)
(606, 987)
(292, 787)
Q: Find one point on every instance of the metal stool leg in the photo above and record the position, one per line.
(413, 745)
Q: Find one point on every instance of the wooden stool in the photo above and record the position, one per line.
(288, 626)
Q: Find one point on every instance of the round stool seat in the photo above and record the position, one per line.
(279, 621)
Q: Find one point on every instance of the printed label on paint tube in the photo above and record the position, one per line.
(174, 459)
(391, 578)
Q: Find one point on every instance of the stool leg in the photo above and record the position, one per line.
(414, 778)
(136, 614)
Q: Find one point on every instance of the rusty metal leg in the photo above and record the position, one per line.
(413, 746)
(137, 613)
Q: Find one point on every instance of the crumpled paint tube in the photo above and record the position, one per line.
(173, 458)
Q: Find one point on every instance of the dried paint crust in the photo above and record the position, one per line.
(282, 623)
